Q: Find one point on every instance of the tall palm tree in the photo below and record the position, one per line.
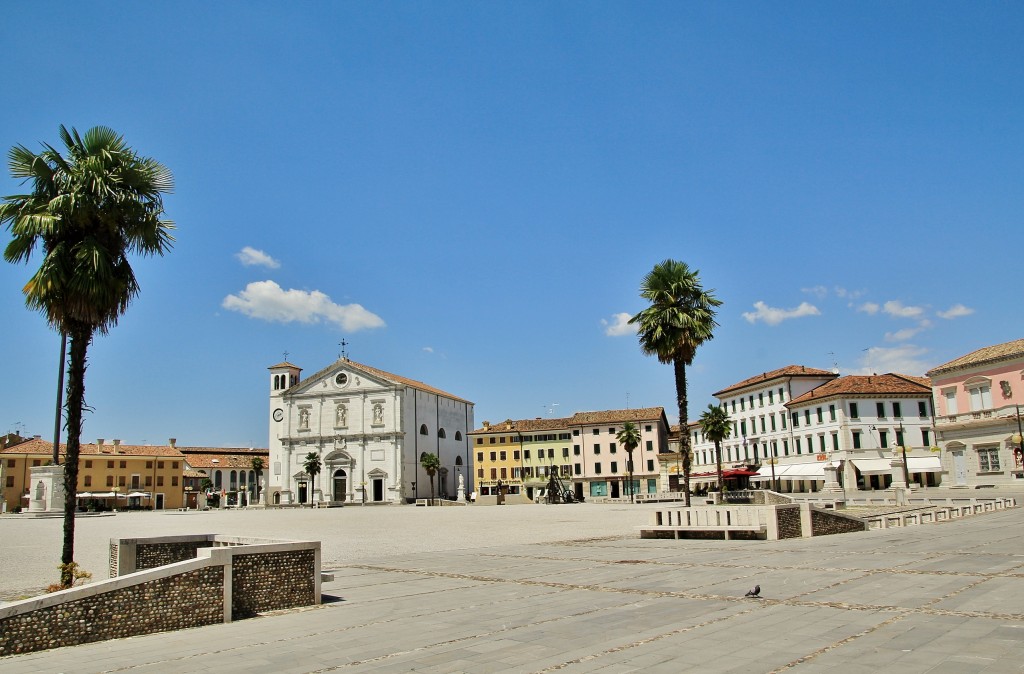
(680, 318)
(430, 463)
(629, 436)
(86, 211)
(312, 466)
(716, 426)
(257, 467)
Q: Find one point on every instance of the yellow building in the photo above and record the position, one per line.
(110, 475)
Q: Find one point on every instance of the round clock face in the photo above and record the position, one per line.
(278, 414)
(341, 379)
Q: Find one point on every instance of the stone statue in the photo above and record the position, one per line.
(340, 415)
(304, 418)
(378, 414)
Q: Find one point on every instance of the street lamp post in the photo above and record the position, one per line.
(903, 448)
(1018, 438)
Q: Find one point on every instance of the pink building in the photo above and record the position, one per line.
(978, 399)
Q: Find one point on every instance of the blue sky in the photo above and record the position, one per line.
(471, 193)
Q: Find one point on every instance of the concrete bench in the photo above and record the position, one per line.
(725, 529)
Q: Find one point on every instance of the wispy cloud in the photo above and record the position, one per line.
(848, 294)
(269, 302)
(905, 359)
(618, 325)
(428, 349)
(251, 257)
(897, 309)
(821, 292)
(869, 308)
(955, 311)
(774, 315)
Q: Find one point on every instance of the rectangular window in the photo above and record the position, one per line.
(899, 438)
(950, 396)
(565, 452)
(807, 418)
(733, 406)
(854, 414)
(576, 431)
(480, 441)
(880, 410)
(922, 409)
(897, 411)
(149, 480)
(785, 447)
(647, 428)
(762, 425)
(504, 473)
(760, 400)
(577, 469)
(492, 440)
(597, 449)
(480, 457)
(856, 439)
(883, 439)
(174, 480)
(159, 480)
(123, 481)
(772, 418)
(88, 464)
(615, 466)
(480, 473)
(174, 465)
(650, 465)
(502, 455)
(159, 465)
(924, 437)
(821, 419)
(515, 455)
(551, 452)
(10, 480)
(110, 480)
(10, 463)
(501, 440)
(782, 416)
(796, 443)
(611, 448)
(611, 431)
(743, 428)
(526, 454)
(87, 481)
(835, 442)
(821, 443)
(782, 395)
(597, 468)
(796, 420)
(751, 402)
(596, 431)
(771, 397)
(575, 450)
(650, 445)
(494, 473)
(494, 456)
(743, 404)
(981, 398)
(988, 459)
(831, 412)
(110, 464)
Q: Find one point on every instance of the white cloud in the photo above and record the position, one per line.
(847, 294)
(869, 308)
(818, 291)
(955, 311)
(906, 333)
(774, 316)
(428, 349)
(251, 257)
(268, 301)
(897, 309)
(905, 359)
(618, 325)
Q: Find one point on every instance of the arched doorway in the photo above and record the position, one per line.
(340, 485)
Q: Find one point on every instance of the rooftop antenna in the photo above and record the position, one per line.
(550, 409)
(344, 354)
(835, 364)
(627, 400)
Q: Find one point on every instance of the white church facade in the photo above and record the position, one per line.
(369, 428)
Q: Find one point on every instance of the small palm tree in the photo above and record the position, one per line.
(430, 464)
(629, 436)
(716, 426)
(86, 212)
(680, 318)
(257, 467)
(312, 466)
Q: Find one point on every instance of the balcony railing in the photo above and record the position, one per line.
(1005, 412)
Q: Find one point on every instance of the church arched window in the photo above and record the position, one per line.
(441, 433)
(458, 436)
(423, 429)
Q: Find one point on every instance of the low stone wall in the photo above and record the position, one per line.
(827, 523)
(788, 518)
(230, 578)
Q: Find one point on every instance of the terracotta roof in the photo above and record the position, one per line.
(374, 372)
(525, 425)
(194, 473)
(612, 416)
(39, 446)
(781, 373)
(211, 460)
(856, 385)
(284, 364)
(988, 354)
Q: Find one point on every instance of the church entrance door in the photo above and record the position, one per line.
(302, 492)
(378, 489)
(340, 485)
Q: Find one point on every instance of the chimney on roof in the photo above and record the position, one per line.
(117, 443)
(803, 368)
(99, 442)
(487, 425)
(172, 442)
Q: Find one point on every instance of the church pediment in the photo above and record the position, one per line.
(340, 378)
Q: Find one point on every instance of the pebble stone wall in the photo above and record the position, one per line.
(825, 523)
(272, 581)
(151, 555)
(789, 522)
(156, 606)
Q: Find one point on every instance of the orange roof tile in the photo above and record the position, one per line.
(983, 356)
(613, 416)
(781, 373)
(524, 425)
(40, 446)
(857, 385)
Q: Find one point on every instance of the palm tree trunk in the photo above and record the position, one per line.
(684, 433)
(80, 335)
(718, 461)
